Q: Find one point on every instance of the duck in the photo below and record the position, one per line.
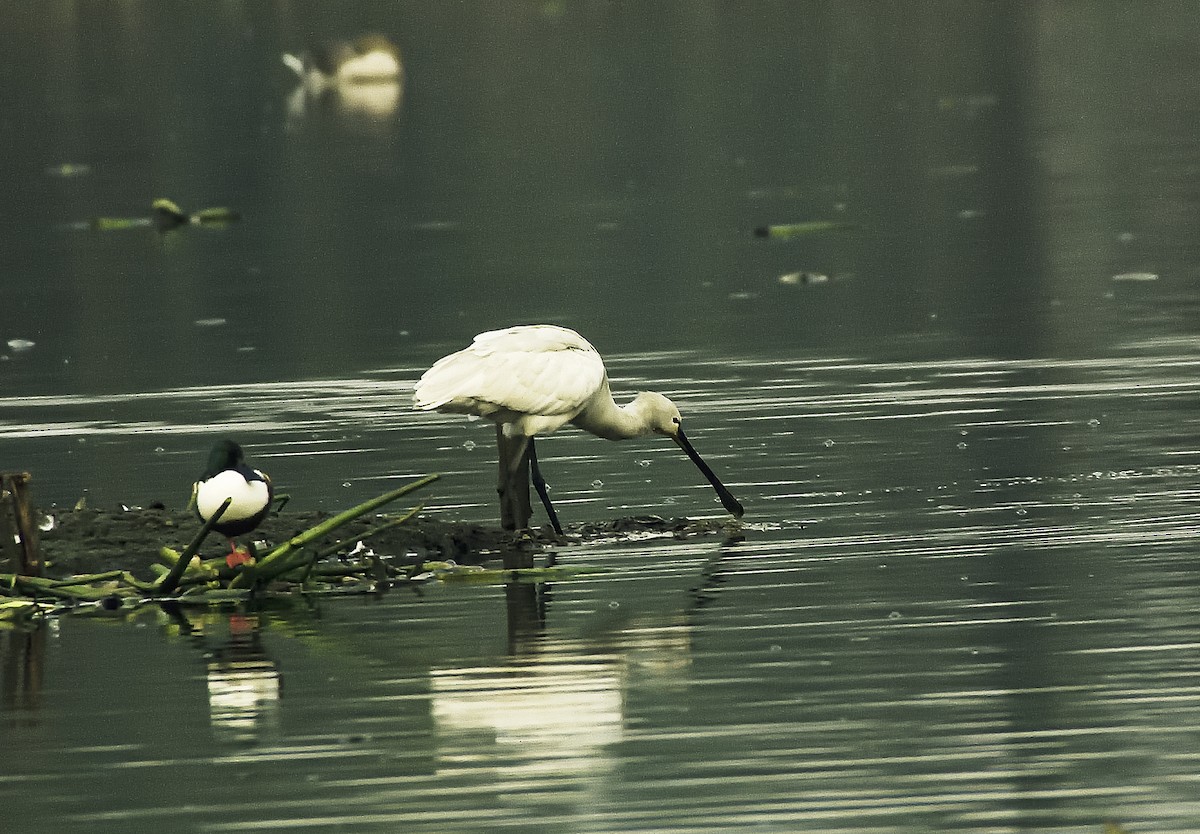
(227, 475)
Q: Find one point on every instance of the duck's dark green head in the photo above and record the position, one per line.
(225, 455)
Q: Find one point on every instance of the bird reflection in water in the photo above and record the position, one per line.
(363, 77)
(244, 683)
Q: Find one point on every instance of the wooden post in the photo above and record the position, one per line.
(19, 551)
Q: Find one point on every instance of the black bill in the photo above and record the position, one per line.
(727, 500)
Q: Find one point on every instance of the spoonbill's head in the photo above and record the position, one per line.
(659, 414)
(662, 417)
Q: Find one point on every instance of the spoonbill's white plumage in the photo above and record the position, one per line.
(364, 77)
(369, 59)
(531, 380)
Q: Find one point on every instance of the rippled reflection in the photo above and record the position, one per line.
(243, 685)
(552, 718)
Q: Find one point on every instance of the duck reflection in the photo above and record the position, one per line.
(244, 683)
(363, 77)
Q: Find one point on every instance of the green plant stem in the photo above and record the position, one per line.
(279, 560)
(171, 581)
(307, 561)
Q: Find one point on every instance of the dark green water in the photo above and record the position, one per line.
(966, 598)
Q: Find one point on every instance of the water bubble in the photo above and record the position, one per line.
(642, 462)
(961, 445)
(775, 647)
(158, 450)
(1022, 511)
(827, 444)
(1093, 422)
(347, 484)
(468, 445)
(895, 615)
(46, 523)
(614, 605)
(596, 484)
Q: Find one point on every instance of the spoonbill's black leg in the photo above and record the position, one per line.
(539, 483)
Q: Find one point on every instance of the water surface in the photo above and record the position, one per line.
(963, 424)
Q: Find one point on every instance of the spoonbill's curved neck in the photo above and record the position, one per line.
(604, 418)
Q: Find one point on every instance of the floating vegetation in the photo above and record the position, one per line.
(68, 169)
(164, 216)
(185, 578)
(115, 561)
(784, 231)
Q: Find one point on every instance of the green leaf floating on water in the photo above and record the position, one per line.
(219, 216)
(21, 609)
(117, 224)
(783, 231)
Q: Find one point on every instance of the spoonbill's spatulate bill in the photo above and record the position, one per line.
(228, 476)
(531, 380)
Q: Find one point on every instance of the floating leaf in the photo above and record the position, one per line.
(783, 231)
(216, 216)
(117, 224)
(69, 169)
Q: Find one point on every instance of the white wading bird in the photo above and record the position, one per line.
(531, 380)
(228, 476)
(369, 59)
